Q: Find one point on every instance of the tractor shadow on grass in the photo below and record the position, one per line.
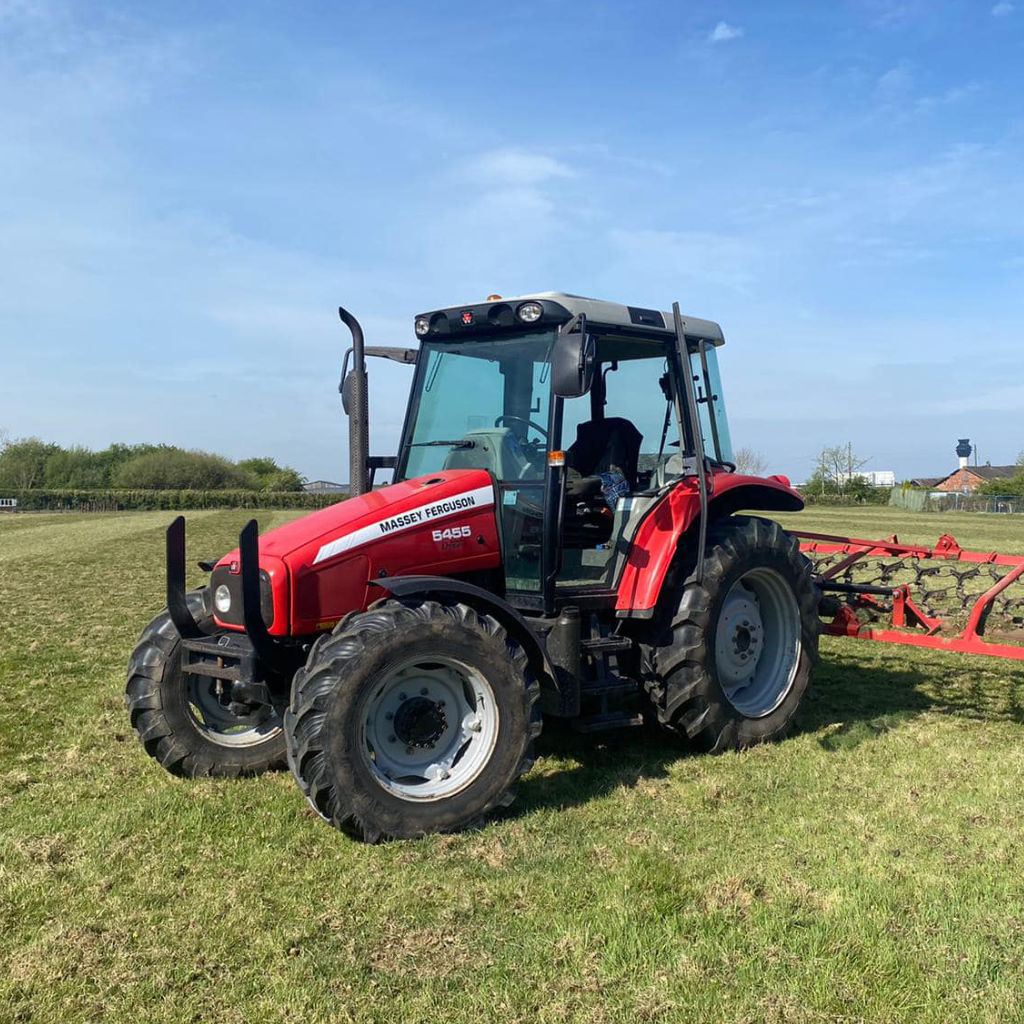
(598, 764)
(854, 698)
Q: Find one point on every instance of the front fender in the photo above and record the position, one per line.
(442, 588)
(670, 522)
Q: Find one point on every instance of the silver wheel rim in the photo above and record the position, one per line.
(220, 725)
(757, 642)
(428, 728)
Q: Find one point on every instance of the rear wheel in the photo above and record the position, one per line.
(412, 718)
(186, 721)
(735, 658)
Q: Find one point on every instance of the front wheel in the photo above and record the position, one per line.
(735, 660)
(412, 718)
(186, 721)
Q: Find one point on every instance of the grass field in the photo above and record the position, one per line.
(868, 868)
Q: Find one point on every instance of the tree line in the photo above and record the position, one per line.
(836, 476)
(30, 464)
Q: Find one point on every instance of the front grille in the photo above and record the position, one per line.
(233, 581)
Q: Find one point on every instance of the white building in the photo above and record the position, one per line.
(875, 477)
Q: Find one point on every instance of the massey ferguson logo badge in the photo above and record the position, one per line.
(482, 497)
(420, 515)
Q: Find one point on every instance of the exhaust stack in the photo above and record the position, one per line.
(353, 388)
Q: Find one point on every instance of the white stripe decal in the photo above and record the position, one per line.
(480, 498)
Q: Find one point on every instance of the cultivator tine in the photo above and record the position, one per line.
(941, 597)
(177, 603)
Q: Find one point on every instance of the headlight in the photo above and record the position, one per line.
(530, 312)
(222, 599)
(422, 326)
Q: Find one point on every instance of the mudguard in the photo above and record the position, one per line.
(483, 600)
(668, 524)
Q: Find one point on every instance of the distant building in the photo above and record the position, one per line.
(966, 478)
(324, 487)
(874, 477)
(970, 478)
(880, 477)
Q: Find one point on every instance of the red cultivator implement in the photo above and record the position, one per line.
(941, 597)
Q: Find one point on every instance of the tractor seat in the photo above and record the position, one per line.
(606, 446)
(602, 446)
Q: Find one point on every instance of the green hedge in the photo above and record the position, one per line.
(876, 496)
(39, 500)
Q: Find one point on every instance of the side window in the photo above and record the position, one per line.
(714, 423)
(633, 392)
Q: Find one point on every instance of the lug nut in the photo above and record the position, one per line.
(401, 696)
(423, 691)
(391, 739)
(389, 715)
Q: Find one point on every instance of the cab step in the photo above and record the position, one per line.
(607, 721)
(610, 686)
(602, 645)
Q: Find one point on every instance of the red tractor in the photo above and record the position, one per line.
(561, 540)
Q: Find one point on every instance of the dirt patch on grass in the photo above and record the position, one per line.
(434, 952)
(734, 896)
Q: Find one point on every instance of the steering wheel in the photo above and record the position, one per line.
(519, 419)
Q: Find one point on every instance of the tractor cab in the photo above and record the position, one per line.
(553, 392)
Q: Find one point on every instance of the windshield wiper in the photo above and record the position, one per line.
(448, 444)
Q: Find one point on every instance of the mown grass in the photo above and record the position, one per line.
(868, 868)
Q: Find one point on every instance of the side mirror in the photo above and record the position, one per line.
(407, 356)
(346, 393)
(573, 357)
(345, 384)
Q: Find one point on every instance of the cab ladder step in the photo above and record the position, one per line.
(608, 720)
(601, 645)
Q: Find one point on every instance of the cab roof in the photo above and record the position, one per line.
(558, 308)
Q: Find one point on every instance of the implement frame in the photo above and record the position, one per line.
(905, 613)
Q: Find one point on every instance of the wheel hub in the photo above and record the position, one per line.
(757, 642)
(215, 710)
(740, 637)
(429, 728)
(420, 722)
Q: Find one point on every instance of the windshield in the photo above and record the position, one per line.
(480, 404)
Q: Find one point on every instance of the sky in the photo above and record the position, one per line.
(188, 191)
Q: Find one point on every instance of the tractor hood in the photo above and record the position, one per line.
(321, 567)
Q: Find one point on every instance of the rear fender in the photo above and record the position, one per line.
(672, 522)
(442, 589)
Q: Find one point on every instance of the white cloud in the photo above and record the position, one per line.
(895, 83)
(898, 97)
(1001, 10)
(22, 10)
(516, 168)
(723, 32)
(727, 261)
